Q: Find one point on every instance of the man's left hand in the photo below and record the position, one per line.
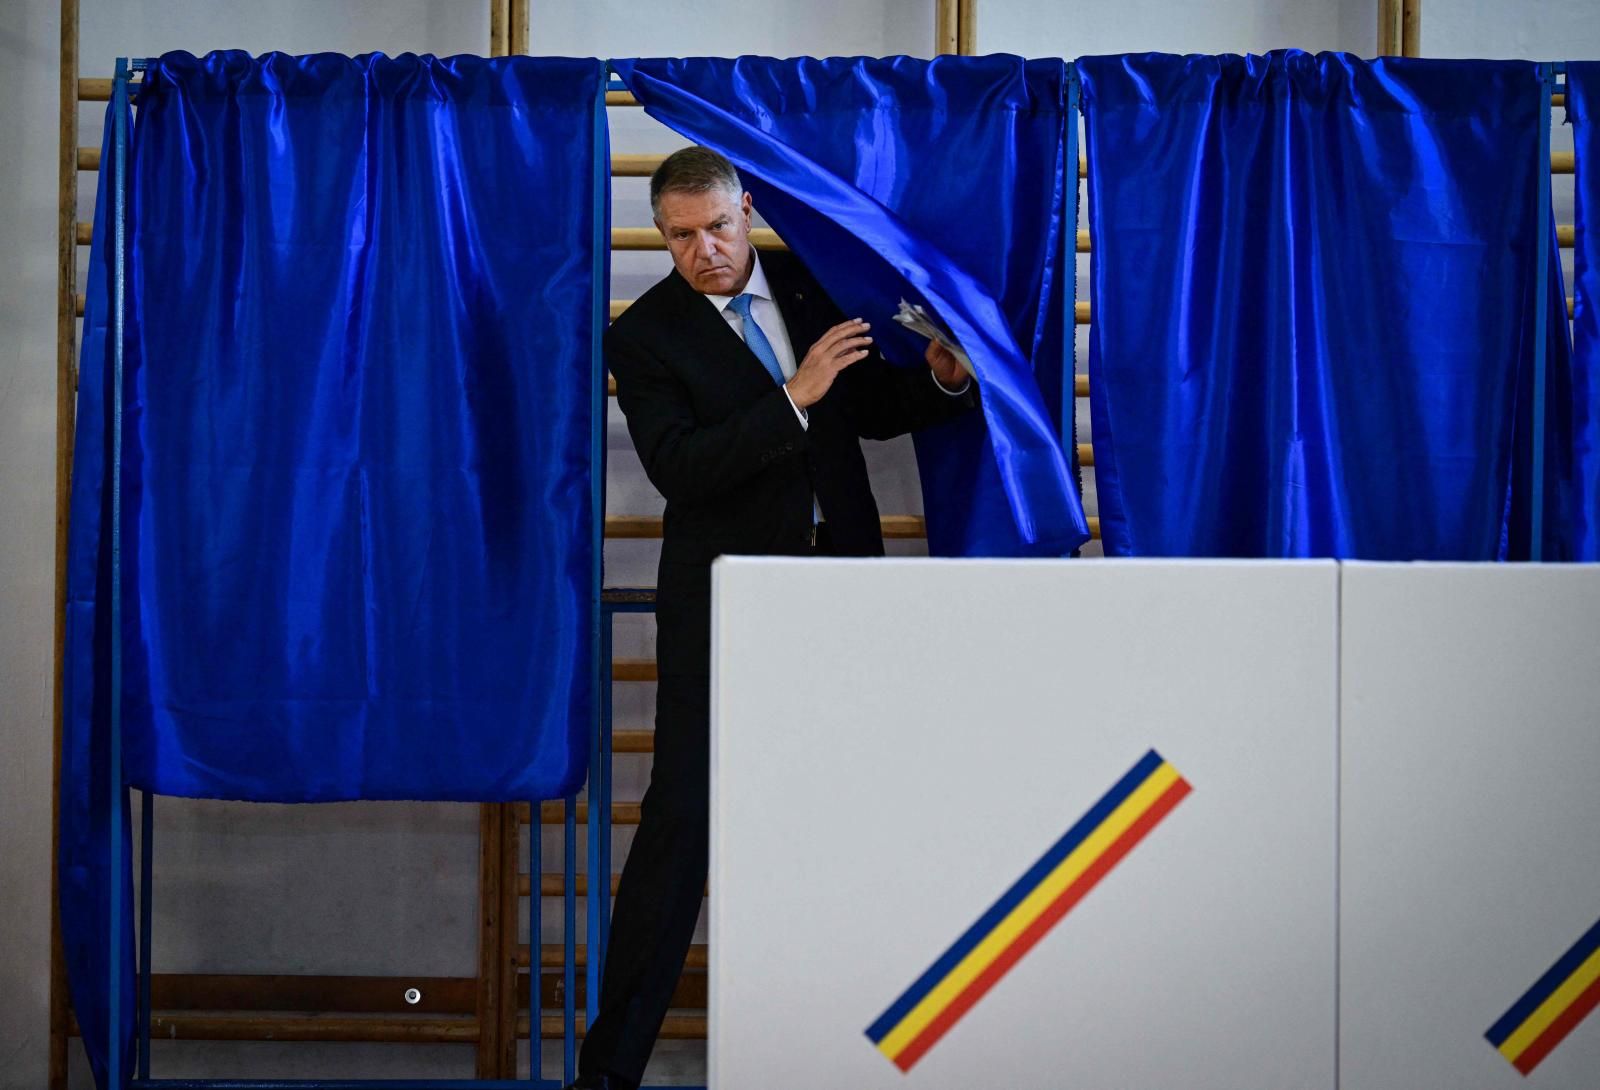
(946, 368)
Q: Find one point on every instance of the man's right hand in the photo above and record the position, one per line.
(844, 344)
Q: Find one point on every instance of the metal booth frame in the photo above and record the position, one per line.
(599, 641)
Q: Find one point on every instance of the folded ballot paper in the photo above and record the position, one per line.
(916, 319)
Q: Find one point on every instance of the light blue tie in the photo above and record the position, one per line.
(755, 339)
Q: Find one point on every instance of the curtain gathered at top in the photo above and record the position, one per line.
(1314, 288)
(945, 183)
(356, 545)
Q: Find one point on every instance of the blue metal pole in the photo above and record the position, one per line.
(115, 1076)
(600, 618)
(1541, 317)
(569, 940)
(535, 941)
(147, 840)
(600, 884)
(600, 881)
(593, 922)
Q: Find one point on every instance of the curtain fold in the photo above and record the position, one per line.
(1583, 114)
(85, 876)
(357, 524)
(942, 182)
(1314, 289)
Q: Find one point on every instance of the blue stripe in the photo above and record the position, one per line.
(1014, 896)
(1545, 987)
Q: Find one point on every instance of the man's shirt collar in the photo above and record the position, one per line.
(757, 286)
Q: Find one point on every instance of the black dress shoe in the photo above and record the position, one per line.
(600, 1082)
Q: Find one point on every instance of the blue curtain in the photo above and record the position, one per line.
(85, 876)
(1583, 114)
(358, 519)
(943, 182)
(1314, 290)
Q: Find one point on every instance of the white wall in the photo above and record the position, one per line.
(225, 902)
(27, 504)
(1084, 27)
(1535, 30)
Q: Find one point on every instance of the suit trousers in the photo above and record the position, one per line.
(659, 896)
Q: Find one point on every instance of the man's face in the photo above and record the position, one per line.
(709, 237)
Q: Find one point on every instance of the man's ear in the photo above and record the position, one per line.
(746, 205)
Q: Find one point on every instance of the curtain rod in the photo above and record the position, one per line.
(139, 64)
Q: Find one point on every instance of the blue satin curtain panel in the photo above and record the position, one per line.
(1583, 114)
(85, 877)
(945, 183)
(358, 553)
(1314, 287)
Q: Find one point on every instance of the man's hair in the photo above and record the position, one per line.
(692, 170)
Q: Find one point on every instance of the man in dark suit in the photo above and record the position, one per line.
(746, 393)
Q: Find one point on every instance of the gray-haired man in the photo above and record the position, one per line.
(746, 393)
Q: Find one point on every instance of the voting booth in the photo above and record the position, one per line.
(923, 777)
(1255, 825)
(1470, 862)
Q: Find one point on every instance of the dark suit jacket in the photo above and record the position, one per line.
(721, 442)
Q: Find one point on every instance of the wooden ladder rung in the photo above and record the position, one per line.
(635, 239)
(690, 992)
(633, 670)
(371, 1028)
(895, 527)
(555, 885)
(303, 1026)
(677, 1027)
(550, 956)
(554, 813)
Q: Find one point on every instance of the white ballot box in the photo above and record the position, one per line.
(1470, 884)
(1023, 824)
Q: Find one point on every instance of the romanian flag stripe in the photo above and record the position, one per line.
(1563, 1025)
(1549, 1010)
(1030, 907)
(1064, 904)
(1013, 896)
(1545, 1015)
(1034, 903)
(1027, 911)
(963, 994)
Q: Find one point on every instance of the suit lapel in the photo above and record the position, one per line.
(792, 290)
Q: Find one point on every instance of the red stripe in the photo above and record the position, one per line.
(1040, 927)
(1542, 1045)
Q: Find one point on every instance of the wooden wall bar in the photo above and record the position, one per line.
(67, 309)
(967, 27)
(946, 26)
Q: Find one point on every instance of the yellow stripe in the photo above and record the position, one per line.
(1548, 1011)
(1030, 909)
